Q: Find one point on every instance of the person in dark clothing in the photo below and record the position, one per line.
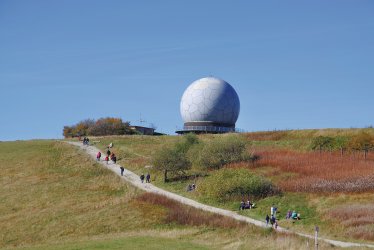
(272, 220)
(242, 205)
(114, 159)
(108, 153)
(142, 178)
(122, 169)
(148, 178)
(267, 218)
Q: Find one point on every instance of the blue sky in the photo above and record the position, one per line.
(294, 64)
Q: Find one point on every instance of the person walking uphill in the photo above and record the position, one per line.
(148, 178)
(142, 178)
(122, 169)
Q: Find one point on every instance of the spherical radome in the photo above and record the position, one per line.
(210, 99)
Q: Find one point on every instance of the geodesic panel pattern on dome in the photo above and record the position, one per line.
(210, 99)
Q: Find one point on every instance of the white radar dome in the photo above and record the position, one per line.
(210, 100)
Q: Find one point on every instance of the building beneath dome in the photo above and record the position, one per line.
(209, 105)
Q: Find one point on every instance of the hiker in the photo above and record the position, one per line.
(148, 178)
(248, 205)
(288, 215)
(275, 212)
(108, 152)
(87, 141)
(272, 220)
(98, 156)
(84, 140)
(275, 224)
(242, 205)
(267, 218)
(272, 210)
(122, 169)
(114, 159)
(110, 145)
(295, 215)
(142, 178)
(106, 159)
(193, 186)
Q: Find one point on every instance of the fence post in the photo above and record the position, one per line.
(316, 230)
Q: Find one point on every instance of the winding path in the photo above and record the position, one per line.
(135, 180)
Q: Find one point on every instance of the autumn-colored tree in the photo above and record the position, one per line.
(362, 142)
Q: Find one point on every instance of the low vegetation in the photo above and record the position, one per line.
(234, 184)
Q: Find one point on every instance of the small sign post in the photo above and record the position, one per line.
(316, 237)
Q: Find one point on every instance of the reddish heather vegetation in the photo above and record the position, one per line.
(357, 218)
(321, 172)
(186, 215)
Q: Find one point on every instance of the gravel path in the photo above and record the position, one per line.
(135, 180)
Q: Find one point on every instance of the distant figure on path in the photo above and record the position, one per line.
(267, 218)
(122, 169)
(114, 159)
(107, 159)
(148, 178)
(272, 210)
(108, 152)
(98, 156)
(272, 220)
(275, 224)
(142, 178)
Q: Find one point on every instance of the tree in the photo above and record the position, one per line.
(322, 143)
(341, 143)
(171, 160)
(222, 151)
(362, 142)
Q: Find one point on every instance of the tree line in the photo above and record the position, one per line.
(361, 142)
(100, 127)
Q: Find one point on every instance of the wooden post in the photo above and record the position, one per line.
(316, 237)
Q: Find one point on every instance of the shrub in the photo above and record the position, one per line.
(221, 151)
(227, 184)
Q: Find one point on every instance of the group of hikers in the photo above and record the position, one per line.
(109, 155)
(86, 141)
(246, 205)
(191, 187)
(272, 219)
(147, 178)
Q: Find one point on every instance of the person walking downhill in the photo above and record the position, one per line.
(98, 156)
(122, 169)
(148, 178)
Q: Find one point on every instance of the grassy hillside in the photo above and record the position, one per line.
(332, 191)
(54, 197)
